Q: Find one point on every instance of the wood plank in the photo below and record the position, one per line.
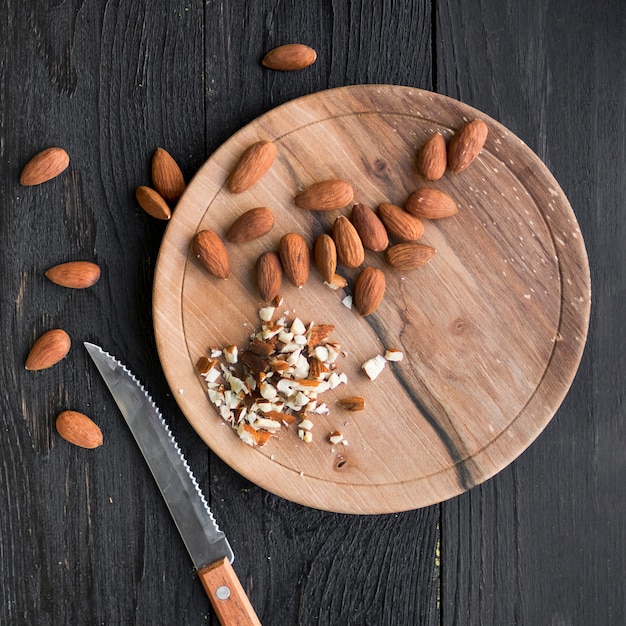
(537, 544)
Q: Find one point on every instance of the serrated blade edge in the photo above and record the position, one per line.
(192, 515)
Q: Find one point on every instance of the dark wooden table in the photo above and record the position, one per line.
(84, 535)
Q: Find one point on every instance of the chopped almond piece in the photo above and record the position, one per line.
(352, 403)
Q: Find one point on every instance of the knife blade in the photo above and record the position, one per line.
(206, 543)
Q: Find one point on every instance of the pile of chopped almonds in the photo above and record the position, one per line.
(276, 380)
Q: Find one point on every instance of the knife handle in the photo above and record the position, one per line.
(229, 600)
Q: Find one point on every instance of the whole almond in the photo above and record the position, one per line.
(350, 250)
(251, 225)
(294, 257)
(44, 166)
(208, 248)
(74, 274)
(407, 256)
(291, 56)
(79, 429)
(49, 349)
(430, 204)
(466, 144)
(252, 165)
(369, 290)
(371, 230)
(153, 203)
(325, 255)
(269, 275)
(432, 158)
(167, 176)
(399, 223)
(325, 195)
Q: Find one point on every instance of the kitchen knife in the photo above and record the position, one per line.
(207, 544)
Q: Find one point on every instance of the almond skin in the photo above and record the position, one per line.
(325, 254)
(74, 274)
(252, 165)
(430, 204)
(466, 144)
(399, 223)
(350, 250)
(251, 225)
(290, 57)
(325, 195)
(371, 230)
(44, 166)
(269, 275)
(167, 176)
(407, 256)
(79, 429)
(432, 158)
(369, 290)
(152, 203)
(208, 248)
(294, 257)
(49, 349)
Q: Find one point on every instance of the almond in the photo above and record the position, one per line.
(74, 274)
(152, 203)
(252, 165)
(432, 157)
(79, 429)
(407, 256)
(251, 225)
(350, 250)
(269, 275)
(294, 256)
(44, 166)
(48, 350)
(291, 56)
(430, 204)
(208, 248)
(352, 403)
(399, 223)
(371, 230)
(466, 144)
(325, 254)
(167, 177)
(369, 290)
(325, 195)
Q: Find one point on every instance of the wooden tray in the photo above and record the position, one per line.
(492, 329)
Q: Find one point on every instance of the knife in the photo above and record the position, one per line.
(206, 543)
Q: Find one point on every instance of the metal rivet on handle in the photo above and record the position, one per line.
(222, 592)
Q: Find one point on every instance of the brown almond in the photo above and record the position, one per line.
(269, 275)
(399, 223)
(167, 177)
(153, 203)
(350, 250)
(430, 204)
(325, 195)
(291, 56)
(371, 230)
(407, 256)
(432, 158)
(369, 290)
(336, 282)
(325, 255)
(49, 349)
(252, 165)
(466, 144)
(44, 166)
(251, 225)
(79, 429)
(294, 257)
(208, 248)
(74, 274)
(352, 403)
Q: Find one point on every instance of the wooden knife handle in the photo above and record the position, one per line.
(227, 596)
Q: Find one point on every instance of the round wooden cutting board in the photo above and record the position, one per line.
(492, 329)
